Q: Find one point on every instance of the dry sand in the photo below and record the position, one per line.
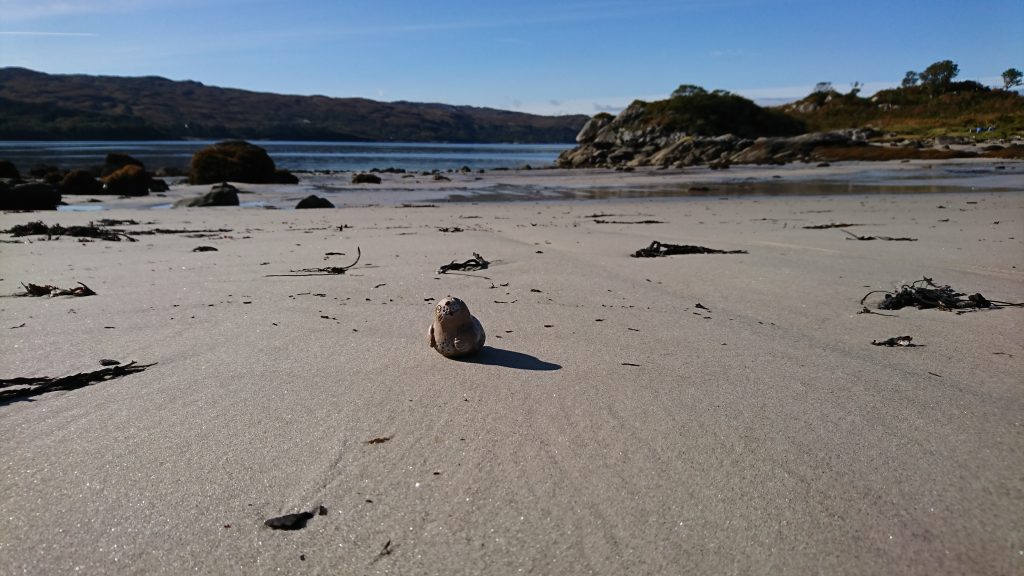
(612, 426)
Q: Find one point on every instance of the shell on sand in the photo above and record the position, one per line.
(455, 332)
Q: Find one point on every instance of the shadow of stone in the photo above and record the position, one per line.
(491, 356)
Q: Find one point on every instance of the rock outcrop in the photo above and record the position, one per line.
(365, 178)
(314, 201)
(80, 182)
(128, 180)
(29, 196)
(623, 142)
(9, 170)
(232, 160)
(223, 194)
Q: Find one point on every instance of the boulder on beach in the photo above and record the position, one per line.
(285, 177)
(158, 185)
(79, 182)
(365, 178)
(47, 173)
(314, 201)
(31, 196)
(128, 180)
(223, 194)
(9, 170)
(232, 160)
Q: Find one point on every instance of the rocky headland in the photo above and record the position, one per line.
(632, 140)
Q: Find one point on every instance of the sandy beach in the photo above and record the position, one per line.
(705, 413)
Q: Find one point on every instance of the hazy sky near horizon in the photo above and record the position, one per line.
(548, 57)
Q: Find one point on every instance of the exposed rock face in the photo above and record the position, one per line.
(31, 196)
(619, 143)
(220, 195)
(649, 135)
(314, 201)
(232, 160)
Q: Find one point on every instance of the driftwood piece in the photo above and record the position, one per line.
(924, 293)
(657, 249)
(477, 262)
(51, 290)
(28, 387)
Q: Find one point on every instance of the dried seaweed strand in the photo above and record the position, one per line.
(901, 341)
(886, 238)
(326, 271)
(925, 294)
(657, 249)
(99, 232)
(600, 221)
(477, 262)
(44, 384)
(827, 226)
(51, 290)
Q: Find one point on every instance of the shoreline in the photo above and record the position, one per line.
(595, 183)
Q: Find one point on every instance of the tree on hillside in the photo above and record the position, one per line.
(911, 79)
(940, 74)
(688, 90)
(1012, 78)
(823, 87)
(855, 88)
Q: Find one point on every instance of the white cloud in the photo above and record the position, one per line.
(28, 10)
(32, 33)
(588, 106)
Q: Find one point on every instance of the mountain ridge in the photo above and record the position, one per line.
(41, 106)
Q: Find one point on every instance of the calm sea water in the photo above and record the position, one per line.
(294, 155)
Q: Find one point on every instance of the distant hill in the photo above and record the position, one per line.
(39, 106)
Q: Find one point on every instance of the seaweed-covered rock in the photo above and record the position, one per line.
(9, 170)
(79, 182)
(223, 194)
(117, 160)
(31, 196)
(128, 180)
(365, 178)
(314, 201)
(232, 160)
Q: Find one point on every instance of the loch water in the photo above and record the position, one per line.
(295, 156)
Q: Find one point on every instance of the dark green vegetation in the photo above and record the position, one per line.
(928, 103)
(38, 106)
(693, 110)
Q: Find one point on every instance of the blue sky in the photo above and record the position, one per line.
(548, 57)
